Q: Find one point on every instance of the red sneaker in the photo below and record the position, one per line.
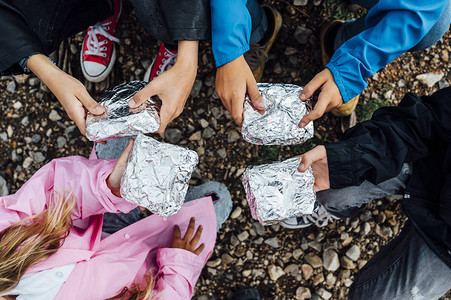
(99, 53)
(164, 60)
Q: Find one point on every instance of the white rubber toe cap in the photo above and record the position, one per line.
(93, 69)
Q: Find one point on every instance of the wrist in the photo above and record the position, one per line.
(43, 67)
(187, 55)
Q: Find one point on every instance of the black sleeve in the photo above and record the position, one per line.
(375, 150)
(17, 40)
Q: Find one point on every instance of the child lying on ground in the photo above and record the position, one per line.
(51, 245)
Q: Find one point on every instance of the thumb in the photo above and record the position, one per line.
(91, 105)
(308, 158)
(255, 96)
(142, 96)
(122, 160)
(312, 86)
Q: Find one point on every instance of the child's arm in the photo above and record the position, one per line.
(375, 150)
(70, 92)
(392, 28)
(231, 31)
(173, 86)
(180, 266)
(86, 179)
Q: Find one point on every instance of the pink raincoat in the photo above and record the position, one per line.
(105, 266)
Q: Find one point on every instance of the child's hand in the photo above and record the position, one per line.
(233, 81)
(70, 92)
(187, 243)
(317, 158)
(114, 180)
(329, 97)
(173, 86)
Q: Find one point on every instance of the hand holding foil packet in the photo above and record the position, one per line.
(120, 120)
(157, 175)
(279, 124)
(278, 191)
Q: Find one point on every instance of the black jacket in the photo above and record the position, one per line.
(418, 131)
(39, 26)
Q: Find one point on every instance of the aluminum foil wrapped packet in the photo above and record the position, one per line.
(120, 120)
(157, 175)
(278, 191)
(279, 124)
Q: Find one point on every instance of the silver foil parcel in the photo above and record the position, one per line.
(278, 191)
(279, 125)
(119, 120)
(157, 175)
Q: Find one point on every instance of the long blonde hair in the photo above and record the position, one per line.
(38, 237)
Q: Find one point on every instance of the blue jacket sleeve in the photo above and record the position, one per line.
(231, 27)
(392, 28)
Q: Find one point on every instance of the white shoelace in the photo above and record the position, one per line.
(167, 63)
(94, 46)
(320, 218)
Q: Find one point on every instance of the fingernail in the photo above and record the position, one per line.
(302, 124)
(301, 166)
(131, 103)
(99, 109)
(303, 97)
(260, 105)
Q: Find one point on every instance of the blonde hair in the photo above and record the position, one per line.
(36, 238)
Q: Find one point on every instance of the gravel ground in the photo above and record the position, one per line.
(316, 263)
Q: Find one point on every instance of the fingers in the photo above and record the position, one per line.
(199, 250)
(312, 156)
(79, 119)
(196, 237)
(126, 153)
(166, 116)
(254, 95)
(190, 230)
(237, 110)
(318, 110)
(142, 96)
(91, 105)
(176, 233)
(312, 86)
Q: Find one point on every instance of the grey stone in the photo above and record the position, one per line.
(258, 241)
(303, 293)
(54, 115)
(316, 2)
(275, 272)
(259, 228)
(208, 133)
(290, 51)
(71, 132)
(195, 136)
(302, 35)
(236, 213)
(353, 253)
(33, 81)
(38, 157)
(196, 88)
(11, 87)
(217, 112)
(300, 2)
(214, 263)
(297, 253)
(222, 153)
(17, 105)
(203, 123)
(173, 135)
(36, 138)
(9, 131)
(3, 136)
(292, 270)
(226, 259)
(61, 142)
(25, 121)
(243, 236)
(314, 260)
(347, 263)
(27, 162)
(307, 271)
(273, 242)
(233, 136)
(331, 261)
(430, 79)
(324, 294)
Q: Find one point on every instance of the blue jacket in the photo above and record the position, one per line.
(231, 27)
(392, 28)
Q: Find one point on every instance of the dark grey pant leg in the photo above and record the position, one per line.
(405, 269)
(349, 201)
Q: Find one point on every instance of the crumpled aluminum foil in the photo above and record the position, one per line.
(157, 175)
(120, 120)
(278, 191)
(279, 124)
